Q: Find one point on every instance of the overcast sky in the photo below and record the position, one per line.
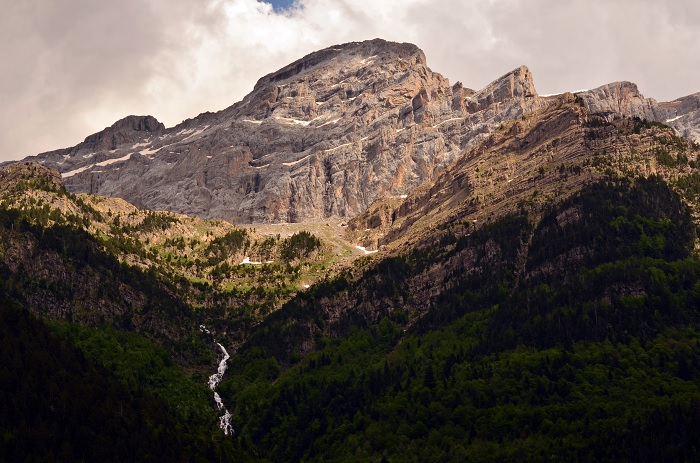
(69, 68)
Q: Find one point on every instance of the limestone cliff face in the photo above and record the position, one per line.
(619, 98)
(624, 98)
(547, 155)
(322, 137)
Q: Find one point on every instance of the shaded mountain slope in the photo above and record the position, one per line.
(59, 405)
(592, 343)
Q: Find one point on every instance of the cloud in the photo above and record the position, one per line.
(73, 67)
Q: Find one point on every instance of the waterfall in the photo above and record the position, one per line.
(214, 380)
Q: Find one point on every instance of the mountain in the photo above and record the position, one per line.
(545, 156)
(323, 137)
(525, 287)
(624, 98)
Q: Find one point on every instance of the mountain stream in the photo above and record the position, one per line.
(214, 380)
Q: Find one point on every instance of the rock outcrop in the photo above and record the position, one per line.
(624, 99)
(12, 176)
(547, 155)
(322, 137)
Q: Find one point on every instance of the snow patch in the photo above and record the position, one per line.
(146, 152)
(112, 161)
(252, 121)
(337, 147)
(334, 121)
(446, 121)
(195, 133)
(99, 164)
(362, 248)
(295, 162)
(294, 121)
(248, 261)
(675, 118)
(74, 172)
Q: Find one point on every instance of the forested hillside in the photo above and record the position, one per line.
(578, 342)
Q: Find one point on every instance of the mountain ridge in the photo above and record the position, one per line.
(323, 137)
(543, 285)
(366, 112)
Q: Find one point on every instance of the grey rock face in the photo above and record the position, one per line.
(624, 98)
(322, 137)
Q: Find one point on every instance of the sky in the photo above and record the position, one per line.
(69, 68)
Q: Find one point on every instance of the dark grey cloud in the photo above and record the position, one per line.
(71, 67)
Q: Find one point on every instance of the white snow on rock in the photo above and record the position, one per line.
(195, 133)
(446, 121)
(112, 161)
(76, 171)
(248, 261)
(98, 164)
(148, 151)
(363, 249)
(294, 121)
(295, 162)
(337, 147)
(334, 121)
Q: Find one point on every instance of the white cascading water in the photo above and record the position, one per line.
(214, 380)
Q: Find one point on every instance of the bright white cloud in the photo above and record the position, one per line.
(71, 67)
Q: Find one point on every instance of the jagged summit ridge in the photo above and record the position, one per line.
(323, 137)
(123, 131)
(625, 99)
(389, 50)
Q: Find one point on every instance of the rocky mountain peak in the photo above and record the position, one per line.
(359, 52)
(12, 175)
(323, 137)
(619, 98)
(518, 83)
(624, 99)
(124, 130)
